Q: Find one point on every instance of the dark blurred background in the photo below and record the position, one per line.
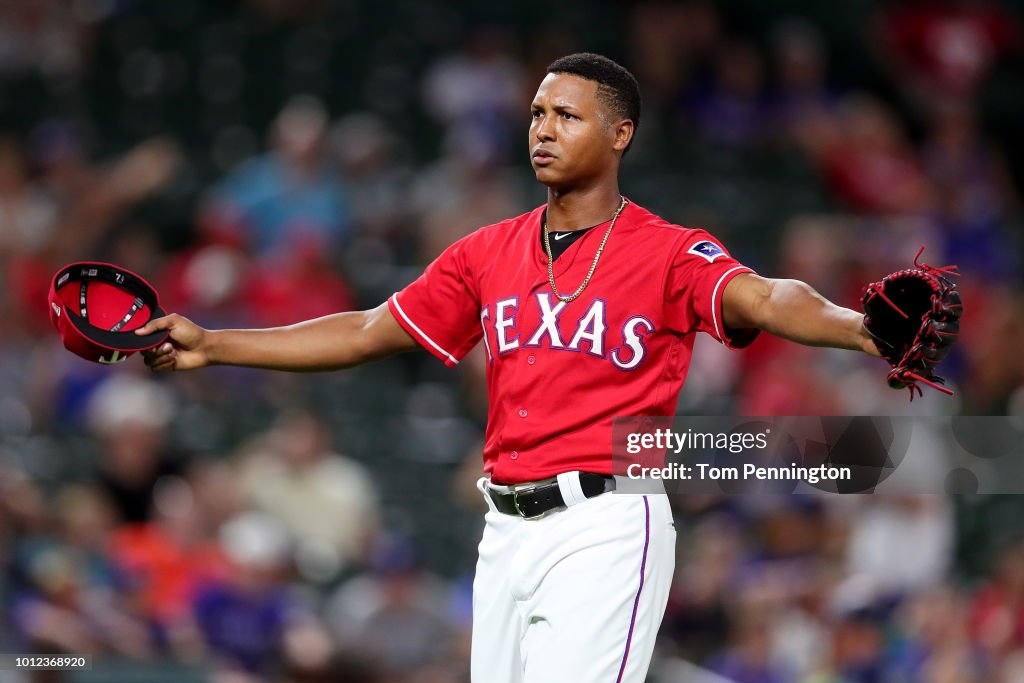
(267, 161)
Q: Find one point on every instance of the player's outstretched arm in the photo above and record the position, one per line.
(332, 342)
(791, 309)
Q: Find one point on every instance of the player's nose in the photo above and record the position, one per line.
(544, 130)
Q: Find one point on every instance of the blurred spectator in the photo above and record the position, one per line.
(69, 599)
(708, 560)
(22, 504)
(377, 164)
(480, 91)
(93, 198)
(974, 194)
(297, 288)
(802, 92)
(396, 614)
(41, 51)
(39, 38)
(858, 646)
(207, 282)
(801, 632)
(130, 417)
(464, 190)
(938, 647)
(899, 544)
(167, 562)
(670, 43)
(219, 283)
(995, 369)
(770, 385)
(48, 613)
(28, 223)
(748, 658)
(733, 108)
(309, 656)
(373, 159)
(27, 214)
(217, 491)
(943, 51)
(327, 502)
(58, 151)
(872, 169)
(244, 617)
(956, 154)
(86, 519)
(997, 613)
(289, 194)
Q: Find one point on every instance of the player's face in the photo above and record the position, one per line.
(573, 138)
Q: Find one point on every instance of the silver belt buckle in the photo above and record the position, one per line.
(529, 488)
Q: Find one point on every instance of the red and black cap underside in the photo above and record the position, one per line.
(105, 303)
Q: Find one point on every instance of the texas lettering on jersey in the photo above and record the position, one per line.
(558, 373)
(588, 335)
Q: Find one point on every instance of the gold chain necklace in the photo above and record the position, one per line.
(593, 266)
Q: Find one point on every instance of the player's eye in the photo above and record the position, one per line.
(535, 113)
(568, 117)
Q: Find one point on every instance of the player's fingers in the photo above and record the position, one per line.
(164, 323)
(159, 351)
(164, 363)
(163, 367)
(158, 354)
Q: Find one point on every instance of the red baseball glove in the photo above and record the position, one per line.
(913, 315)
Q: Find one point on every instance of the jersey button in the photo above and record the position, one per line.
(514, 455)
(522, 412)
(531, 359)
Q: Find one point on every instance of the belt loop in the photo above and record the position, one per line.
(481, 486)
(569, 485)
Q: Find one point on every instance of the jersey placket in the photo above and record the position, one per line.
(529, 374)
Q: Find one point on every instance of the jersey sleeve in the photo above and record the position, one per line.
(698, 275)
(441, 308)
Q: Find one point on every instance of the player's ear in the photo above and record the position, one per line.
(623, 134)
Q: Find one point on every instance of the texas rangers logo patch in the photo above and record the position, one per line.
(707, 249)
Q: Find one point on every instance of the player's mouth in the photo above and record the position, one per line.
(542, 157)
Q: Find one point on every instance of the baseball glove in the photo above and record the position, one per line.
(913, 315)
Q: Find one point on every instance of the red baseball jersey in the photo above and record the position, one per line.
(557, 373)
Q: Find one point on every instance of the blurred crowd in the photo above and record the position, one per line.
(263, 162)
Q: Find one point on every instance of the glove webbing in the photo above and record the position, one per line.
(905, 374)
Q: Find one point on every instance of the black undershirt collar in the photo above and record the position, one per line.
(563, 239)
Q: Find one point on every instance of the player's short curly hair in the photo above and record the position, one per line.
(617, 88)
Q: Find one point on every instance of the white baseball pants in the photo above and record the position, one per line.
(576, 596)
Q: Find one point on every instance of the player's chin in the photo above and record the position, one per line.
(547, 175)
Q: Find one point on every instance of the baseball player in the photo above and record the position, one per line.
(587, 308)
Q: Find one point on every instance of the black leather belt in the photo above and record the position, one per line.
(531, 501)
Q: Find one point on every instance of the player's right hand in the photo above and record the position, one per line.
(185, 348)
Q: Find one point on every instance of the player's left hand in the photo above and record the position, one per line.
(867, 342)
(913, 316)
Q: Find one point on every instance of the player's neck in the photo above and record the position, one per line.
(579, 209)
